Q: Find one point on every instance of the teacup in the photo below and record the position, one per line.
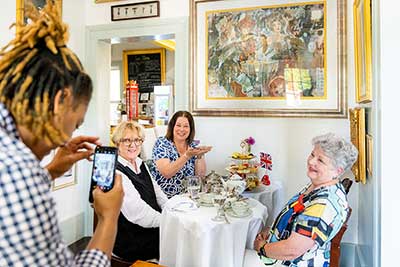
(240, 207)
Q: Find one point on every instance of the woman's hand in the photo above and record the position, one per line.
(264, 234)
(77, 148)
(107, 205)
(197, 151)
(258, 244)
(261, 238)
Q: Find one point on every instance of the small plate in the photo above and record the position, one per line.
(184, 206)
(232, 214)
(205, 204)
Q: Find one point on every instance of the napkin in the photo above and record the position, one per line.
(181, 203)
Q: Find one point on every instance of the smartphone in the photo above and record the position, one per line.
(103, 172)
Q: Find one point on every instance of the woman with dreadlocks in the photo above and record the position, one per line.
(44, 94)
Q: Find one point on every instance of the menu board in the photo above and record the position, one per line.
(146, 67)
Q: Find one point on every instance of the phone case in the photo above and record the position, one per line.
(103, 170)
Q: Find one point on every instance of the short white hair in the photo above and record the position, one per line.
(342, 153)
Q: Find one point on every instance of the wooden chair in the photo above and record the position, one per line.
(117, 262)
(335, 243)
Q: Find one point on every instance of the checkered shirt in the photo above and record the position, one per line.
(29, 232)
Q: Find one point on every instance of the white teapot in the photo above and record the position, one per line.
(235, 182)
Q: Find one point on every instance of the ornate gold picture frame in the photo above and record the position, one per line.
(20, 10)
(248, 58)
(357, 134)
(363, 50)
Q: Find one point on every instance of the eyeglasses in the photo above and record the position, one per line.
(129, 142)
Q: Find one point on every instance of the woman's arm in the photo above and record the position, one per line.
(289, 249)
(169, 168)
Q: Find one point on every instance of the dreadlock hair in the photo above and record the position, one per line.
(35, 66)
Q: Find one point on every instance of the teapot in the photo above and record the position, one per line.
(235, 182)
(212, 179)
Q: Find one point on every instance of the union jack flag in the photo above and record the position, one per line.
(265, 161)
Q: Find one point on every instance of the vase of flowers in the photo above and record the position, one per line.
(246, 145)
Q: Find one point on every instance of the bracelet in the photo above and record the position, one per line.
(262, 250)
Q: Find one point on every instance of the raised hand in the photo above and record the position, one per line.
(77, 148)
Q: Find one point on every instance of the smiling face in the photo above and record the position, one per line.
(128, 147)
(320, 168)
(181, 129)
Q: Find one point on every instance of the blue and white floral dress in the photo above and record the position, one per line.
(164, 148)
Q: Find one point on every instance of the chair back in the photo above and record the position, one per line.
(117, 262)
(335, 243)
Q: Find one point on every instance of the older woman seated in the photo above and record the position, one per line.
(139, 220)
(301, 234)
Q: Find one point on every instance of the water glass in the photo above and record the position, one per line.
(193, 186)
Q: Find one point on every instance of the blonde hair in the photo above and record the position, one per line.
(126, 125)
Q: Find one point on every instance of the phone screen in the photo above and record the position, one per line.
(104, 163)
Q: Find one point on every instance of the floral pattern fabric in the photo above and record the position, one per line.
(318, 215)
(164, 148)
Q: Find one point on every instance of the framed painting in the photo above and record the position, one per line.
(363, 50)
(21, 7)
(357, 135)
(260, 58)
(68, 179)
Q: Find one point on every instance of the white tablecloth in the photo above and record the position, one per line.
(192, 239)
(272, 196)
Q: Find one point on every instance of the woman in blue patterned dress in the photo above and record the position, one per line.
(301, 234)
(176, 155)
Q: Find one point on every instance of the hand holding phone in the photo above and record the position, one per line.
(103, 172)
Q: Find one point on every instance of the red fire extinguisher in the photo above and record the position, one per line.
(132, 99)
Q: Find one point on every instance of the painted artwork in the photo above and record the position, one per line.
(271, 52)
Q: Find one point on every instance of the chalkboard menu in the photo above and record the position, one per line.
(146, 67)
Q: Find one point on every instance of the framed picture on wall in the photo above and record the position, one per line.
(357, 135)
(23, 5)
(363, 50)
(68, 179)
(276, 58)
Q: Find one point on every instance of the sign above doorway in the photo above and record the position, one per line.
(135, 11)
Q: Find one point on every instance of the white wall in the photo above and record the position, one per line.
(389, 141)
(101, 13)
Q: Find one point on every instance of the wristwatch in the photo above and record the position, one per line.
(262, 250)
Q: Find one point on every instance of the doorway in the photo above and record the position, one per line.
(99, 40)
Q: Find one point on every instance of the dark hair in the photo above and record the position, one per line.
(171, 124)
(35, 66)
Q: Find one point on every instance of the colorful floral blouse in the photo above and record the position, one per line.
(164, 148)
(318, 215)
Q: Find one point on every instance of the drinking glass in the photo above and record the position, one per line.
(219, 201)
(193, 186)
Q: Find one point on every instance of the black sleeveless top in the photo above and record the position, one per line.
(135, 242)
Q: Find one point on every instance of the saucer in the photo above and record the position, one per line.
(243, 215)
(184, 206)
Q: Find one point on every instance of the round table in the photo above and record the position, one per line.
(191, 239)
(272, 196)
